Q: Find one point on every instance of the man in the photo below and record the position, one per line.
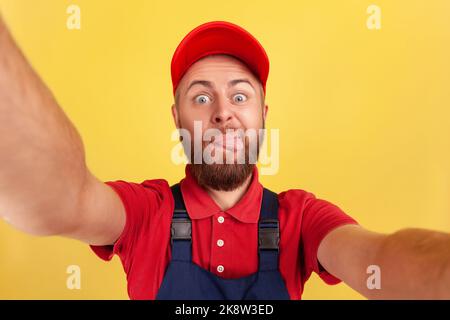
(218, 234)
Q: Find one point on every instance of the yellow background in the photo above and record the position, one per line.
(363, 114)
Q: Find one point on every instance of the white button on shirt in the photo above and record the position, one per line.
(221, 219)
(220, 243)
(220, 268)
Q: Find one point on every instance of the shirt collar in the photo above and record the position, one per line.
(199, 203)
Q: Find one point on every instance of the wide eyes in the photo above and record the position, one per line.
(202, 98)
(240, 98)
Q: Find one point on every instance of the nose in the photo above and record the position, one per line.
(222, 113)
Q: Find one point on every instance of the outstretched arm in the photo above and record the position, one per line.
(45, 186)
(413, 263)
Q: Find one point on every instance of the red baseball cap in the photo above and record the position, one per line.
(219, 37)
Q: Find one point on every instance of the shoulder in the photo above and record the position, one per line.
(151, 192)
(150, 183)
(310, 208)
(295, 197)
(155, 185)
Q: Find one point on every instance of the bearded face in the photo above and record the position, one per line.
(225, 160)
(226, 98)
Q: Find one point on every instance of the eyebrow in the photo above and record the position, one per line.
(209, 84)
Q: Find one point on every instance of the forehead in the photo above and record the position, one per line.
(218, 65)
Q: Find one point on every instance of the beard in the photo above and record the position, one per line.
(224, 176)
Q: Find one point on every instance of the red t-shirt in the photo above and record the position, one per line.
(223, 242)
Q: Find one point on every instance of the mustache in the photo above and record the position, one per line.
(240, 132)
(225, 129)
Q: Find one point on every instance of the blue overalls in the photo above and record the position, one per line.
(185, 280)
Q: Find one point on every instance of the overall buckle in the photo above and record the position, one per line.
(269, 234)
(180, 230)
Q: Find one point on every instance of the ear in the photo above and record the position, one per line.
(175, 116)
(265, 110)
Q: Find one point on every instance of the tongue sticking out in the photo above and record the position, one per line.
(230, 141)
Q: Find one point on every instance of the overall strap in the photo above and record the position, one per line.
(181, 228)
(268, 232)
